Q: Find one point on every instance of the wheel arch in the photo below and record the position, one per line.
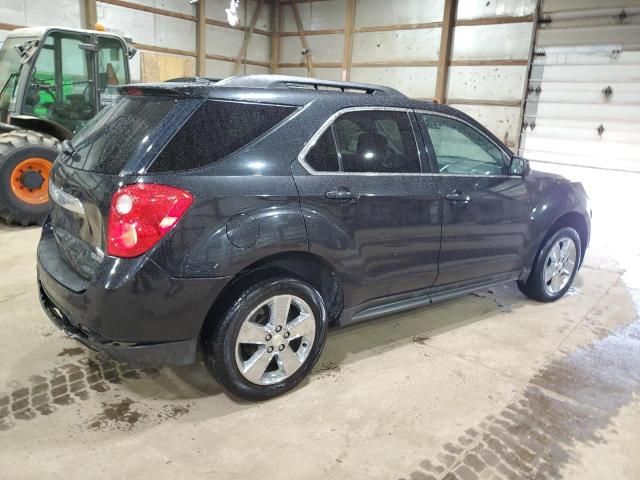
(304, 265)
(576, 221)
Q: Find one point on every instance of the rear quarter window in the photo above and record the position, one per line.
(216, 130)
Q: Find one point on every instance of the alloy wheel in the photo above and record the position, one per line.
(275, 339)
(559, 265)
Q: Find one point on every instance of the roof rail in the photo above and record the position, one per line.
(285, 81)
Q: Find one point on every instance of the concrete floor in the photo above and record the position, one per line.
(487, 386)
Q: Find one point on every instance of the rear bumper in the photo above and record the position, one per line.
(136, 355)
(147, 320)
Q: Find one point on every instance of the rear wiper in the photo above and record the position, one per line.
(69, 150)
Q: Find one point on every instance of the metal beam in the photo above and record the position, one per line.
(303, 40)
(243, 49)
(446, 41)
(201, 38)
(347, 55)
(275, 36)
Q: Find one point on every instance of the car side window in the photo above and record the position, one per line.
(461, 149)
(367, 141)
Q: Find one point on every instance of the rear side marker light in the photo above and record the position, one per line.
(141, 215)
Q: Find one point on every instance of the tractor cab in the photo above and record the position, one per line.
(53, 80)
(63, 76)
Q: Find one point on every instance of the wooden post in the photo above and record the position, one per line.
(303, 40)
(247, 37)
(347, 55)
(446, 41)
(201, 38)
(90, 14)
(275, 35)
(523, 98)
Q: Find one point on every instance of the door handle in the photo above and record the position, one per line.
(340, 194)
(458, 196)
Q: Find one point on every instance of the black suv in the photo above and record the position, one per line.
(237, 220)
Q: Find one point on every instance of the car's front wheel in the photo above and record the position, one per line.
(555, 268)
(267, 340)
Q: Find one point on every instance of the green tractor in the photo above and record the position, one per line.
(53, 80)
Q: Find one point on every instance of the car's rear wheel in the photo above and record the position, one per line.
(555, 268)
(268, 339)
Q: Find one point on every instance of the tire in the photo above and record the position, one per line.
(544, 289)
(227, 357)
(19, 148)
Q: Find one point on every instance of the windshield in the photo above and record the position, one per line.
(9, 69)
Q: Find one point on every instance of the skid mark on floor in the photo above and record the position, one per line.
(64, 385)
(569, 402)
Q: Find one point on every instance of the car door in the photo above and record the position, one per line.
(485, 210)
(369, 208)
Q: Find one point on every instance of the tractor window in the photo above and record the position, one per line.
(9, 70)
(112, 68)
(60, 87)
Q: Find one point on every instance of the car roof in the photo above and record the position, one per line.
(284, 89)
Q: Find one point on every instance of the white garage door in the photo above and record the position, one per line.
(583, 106)
(582, 115)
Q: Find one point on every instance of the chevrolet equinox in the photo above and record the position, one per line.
(234, 221)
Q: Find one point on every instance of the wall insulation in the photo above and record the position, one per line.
(397, 43)
(163, 30)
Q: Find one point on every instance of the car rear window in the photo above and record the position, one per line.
(111, 138)
(216, 130)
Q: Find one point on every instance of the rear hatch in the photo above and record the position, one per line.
(109, 152)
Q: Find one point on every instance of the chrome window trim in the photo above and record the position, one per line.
(329, 122)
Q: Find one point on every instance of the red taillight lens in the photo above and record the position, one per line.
(141, 215)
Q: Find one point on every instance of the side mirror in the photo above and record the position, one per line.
(519, 166)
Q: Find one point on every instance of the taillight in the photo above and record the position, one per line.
(141, 215)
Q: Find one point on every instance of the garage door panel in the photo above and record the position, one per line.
(622, 34)
(585, 124)
(594, 73)
(578, 111)
(588, 161)
(584, 131)
(594, 147)
(588, 55)
(583, 105)
(593, 94)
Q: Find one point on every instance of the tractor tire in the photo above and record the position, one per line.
(26, 159)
